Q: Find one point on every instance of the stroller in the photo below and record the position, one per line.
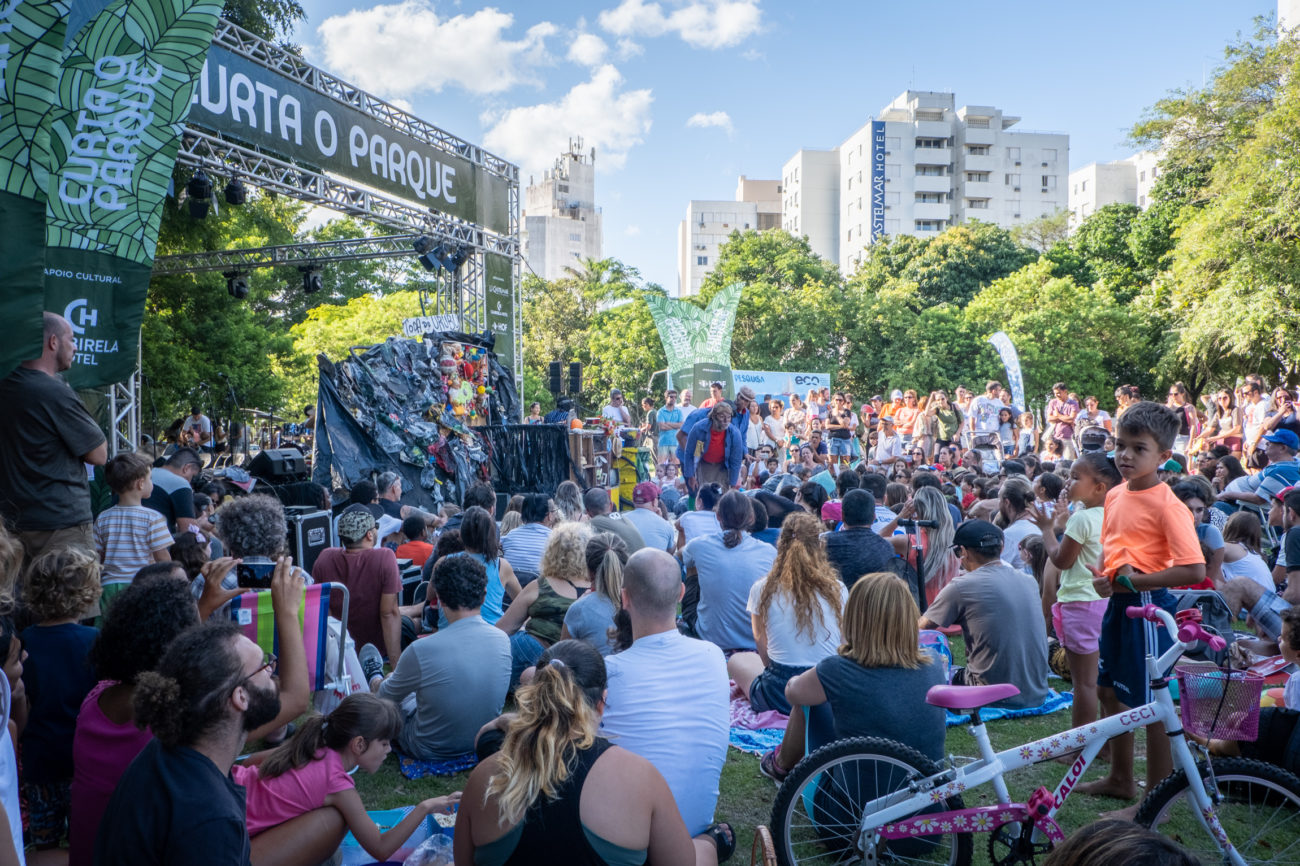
(1092, 439)
(989, 447)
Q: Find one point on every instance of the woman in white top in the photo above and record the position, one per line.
(1241, 551)
(795, 612)
(1015, 496)
(1092, 416)
(701, 521)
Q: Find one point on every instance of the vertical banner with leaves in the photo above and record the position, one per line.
(32, 36)
(1010, 360)
(697, 340)
(123, 94)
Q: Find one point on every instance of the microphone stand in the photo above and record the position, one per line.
(912, 528)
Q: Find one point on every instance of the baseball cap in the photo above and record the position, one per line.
(355, 522)
(1281, 494)
(875, 397)
(1172, 465)
(833, 511)
(896, 394)
(1284, 437)
(977, 534)
(888, 419)
(646, 491)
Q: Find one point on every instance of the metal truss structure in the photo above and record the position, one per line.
(464, 293)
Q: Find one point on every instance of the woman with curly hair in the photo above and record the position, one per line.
(557, 786)
(795, 611)
(535, 619)
(61, 586)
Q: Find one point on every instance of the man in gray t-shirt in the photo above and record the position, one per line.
(451, 683)
(656, 532)
(1000, 614)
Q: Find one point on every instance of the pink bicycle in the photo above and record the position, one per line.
(869, 800)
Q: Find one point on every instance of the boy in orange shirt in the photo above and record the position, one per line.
(1150, 544)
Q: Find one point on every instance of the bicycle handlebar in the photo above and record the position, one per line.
(1185, 633)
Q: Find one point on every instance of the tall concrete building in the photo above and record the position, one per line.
(708, 224)
(919, 166)
(561, 223)
(1124, 181)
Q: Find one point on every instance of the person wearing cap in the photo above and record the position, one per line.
(371, 575)
(616, 411)
(1282, 471)
(603, 518)
(982, 601)
(656, 532)
(889, 445)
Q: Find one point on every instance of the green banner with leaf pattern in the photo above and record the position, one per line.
(123, 93)
(32, 34)
(697, 340)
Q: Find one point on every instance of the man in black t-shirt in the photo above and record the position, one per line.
(46, 438)
(857, 549)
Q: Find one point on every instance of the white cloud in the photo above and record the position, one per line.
(701, 23)
(403, 104)
(632, 231)
(753, 54)
(628, 49)
(609, 118)
(405, 48)
(719, 119)
(587, 49)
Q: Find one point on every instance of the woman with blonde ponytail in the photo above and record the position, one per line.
(558, 792)
(593, 616)
(795, 612)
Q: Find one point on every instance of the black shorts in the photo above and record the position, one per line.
(1124, 644)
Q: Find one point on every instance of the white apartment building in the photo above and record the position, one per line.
(922, 165)
(708, 224)
(1124, 181)
(561, 223)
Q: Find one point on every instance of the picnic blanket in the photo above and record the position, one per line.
(753, 732)
(416, 768)
(756, 742)
(1055, 701)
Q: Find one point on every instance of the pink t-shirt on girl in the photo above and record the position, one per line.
(288, 795)
(101, 752)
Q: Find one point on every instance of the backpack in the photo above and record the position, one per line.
(1215, 618)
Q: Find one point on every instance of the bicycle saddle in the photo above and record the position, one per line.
(960, 698)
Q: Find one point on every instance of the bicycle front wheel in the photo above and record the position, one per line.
(819, 808)
(1259, 810)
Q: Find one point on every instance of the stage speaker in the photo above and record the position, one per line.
(310, 531)
(553, 379)
(575, 377)
(279, 465)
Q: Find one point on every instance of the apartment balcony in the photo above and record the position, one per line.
(980, 136)
(925, 183)
(927, 211)
(972, 189)
(981, 163)
(933, 129)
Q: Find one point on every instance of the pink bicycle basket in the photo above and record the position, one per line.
(1217, 703)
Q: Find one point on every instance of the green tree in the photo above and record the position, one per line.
(1103, 241)
(950, 268)
(1043, 233)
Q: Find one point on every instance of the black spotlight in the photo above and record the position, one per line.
(458, 258)
(200, 194)
(442, 256)
(236, 284)
(236, 193)
(311, 280)
(424, 246)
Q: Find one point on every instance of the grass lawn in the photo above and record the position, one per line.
(747, 795)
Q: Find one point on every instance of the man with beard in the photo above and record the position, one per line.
(176, 803)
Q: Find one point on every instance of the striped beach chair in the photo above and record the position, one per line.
(253, 614)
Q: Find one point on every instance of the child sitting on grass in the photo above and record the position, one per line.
(60, 587)
(129, 536)
(311, 771)
(1148, 545)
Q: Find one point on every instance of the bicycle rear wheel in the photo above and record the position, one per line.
(1259, 811)
(819, 808)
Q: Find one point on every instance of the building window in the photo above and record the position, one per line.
(1142, 175)
(931, 142)
(1142, 201)
(1155, 170)
(930, 171)
(562, 187)
(1085, 186)
(929, 225)
(1013, 180)
(930, 197)
(701, 260)
(575, 237)
(977, 150)
(977, 176)
(977, 203)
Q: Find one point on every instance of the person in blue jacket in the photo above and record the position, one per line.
(714, 450)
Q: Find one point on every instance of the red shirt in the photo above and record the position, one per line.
(416, 551)
(369, 575)
(717, 450)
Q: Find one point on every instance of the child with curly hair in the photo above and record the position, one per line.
(60, 588)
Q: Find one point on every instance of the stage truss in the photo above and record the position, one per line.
(463, 293)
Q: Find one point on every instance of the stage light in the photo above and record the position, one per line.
(199, 207)
(236, 284)
(459, 257)
(200, 194)
(311, 280)
(236, 193)
(424, 246)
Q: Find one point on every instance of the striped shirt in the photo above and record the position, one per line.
(523, 547)
(126, 537)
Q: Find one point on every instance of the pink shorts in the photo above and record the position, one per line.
(1078, 624)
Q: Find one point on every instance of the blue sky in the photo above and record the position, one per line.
(760, 78)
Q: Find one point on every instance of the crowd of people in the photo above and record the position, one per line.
(807, 558)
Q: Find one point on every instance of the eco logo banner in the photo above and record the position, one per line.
(32, 34)
(123, 94)
(697, 341)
